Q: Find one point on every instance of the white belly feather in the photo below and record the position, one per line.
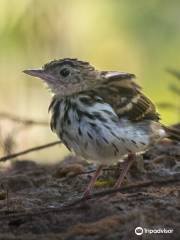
(104, 138)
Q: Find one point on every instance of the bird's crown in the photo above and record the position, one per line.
(72, 62)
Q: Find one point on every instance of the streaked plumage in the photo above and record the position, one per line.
(92, 129)
(102, 116)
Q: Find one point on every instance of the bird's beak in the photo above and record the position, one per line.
(40, 73)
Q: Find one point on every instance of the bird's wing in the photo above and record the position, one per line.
(113, 75)
(123, 77)
(126, 98)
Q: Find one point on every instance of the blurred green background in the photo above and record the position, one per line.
(141, 37)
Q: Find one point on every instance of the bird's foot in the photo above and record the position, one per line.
(87, 194)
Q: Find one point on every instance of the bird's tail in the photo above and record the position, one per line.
(173, 133)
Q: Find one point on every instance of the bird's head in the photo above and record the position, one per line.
(66, 76)
(69, 76)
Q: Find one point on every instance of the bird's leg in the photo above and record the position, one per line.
(92, 182)
(126, 165)
(140, 164)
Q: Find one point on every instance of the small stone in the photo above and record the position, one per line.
(69, 170)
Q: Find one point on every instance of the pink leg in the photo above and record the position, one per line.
(92, 182)
(126, 165)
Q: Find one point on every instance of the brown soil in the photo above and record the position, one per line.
(38, 207)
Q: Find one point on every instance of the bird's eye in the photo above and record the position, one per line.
(64, 72)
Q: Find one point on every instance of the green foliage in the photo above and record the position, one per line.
(141, 37)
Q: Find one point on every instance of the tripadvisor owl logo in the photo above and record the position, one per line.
(138, 230)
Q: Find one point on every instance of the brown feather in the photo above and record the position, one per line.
(127, 100)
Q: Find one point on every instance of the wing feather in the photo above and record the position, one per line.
(126, 98)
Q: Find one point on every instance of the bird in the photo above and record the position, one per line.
(101, 116)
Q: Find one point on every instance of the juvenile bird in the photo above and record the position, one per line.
(102, 116)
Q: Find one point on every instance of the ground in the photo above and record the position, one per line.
(44, 202)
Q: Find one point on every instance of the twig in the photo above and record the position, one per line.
(125, 189)
(21, 120)
(72, 204)
(10, 156)
(92, 171)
